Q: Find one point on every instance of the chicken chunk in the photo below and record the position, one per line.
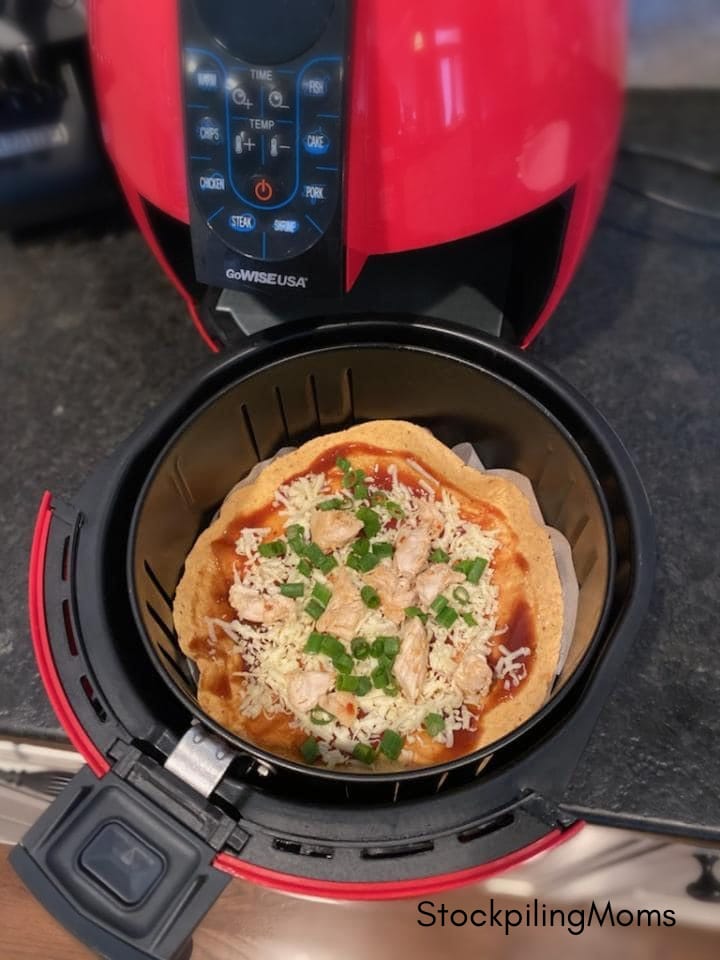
(473, 676)
(258, 608)
(395, 592)
(306, 687)
(343, 706)
(345, 609)
(333, 529)
(431, 582)
(411, 550)
(431, 517)
(412, 661)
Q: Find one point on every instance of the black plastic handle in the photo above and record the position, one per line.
(124, 877)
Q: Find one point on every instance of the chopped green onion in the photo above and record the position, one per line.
(395, 510)
(434, 723)
(382, 549)
(378, 499)
(364, 686)
(292, 589)
(276, 548)
(326, 565)
(321, 717)
(331, 646)
(343, 663)
(447, 617)
(463, 566)
(368, 563)
(391, 744)
(461, 595)
(310, 750)
(361, 547)
(297, 545)
(364, 753)
(361, 491)
(377, 648)
(386, 662)
(322, 593)
(391, 690)
(439, 556)
(438, 604)
(370, 598)
(305, 568)
(360, 648)
(476, 570)
(347, 683)
(380, 678)
(352, 478)
(314, 609)
(411, 612)
(371, 521)
(295, 530)
(314, 554)
(314, 642)
(469, 619)
(343, 463)
(335, 504)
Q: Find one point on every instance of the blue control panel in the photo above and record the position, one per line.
(265, 150)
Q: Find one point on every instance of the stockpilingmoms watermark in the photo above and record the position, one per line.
(536, 915)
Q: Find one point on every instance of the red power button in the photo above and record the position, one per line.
(263, 190)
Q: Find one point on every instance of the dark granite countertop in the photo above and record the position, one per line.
(93, 335)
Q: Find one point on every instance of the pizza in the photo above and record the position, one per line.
(370, 603)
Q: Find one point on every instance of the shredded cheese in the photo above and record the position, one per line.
(274, 652)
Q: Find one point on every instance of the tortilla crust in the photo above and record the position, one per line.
(196, 596)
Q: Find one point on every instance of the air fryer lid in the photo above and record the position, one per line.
(327, 389)
(113, 857)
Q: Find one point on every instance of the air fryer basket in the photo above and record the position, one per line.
(462, 395)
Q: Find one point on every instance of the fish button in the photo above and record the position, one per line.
(316, 142)
(209, 131)
(315, 85)
(242, 222)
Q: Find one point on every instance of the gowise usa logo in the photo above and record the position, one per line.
(536, 915)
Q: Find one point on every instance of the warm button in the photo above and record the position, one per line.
(263, 190)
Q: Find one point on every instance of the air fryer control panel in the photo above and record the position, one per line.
(264, 92)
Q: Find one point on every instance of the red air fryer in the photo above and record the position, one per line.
(382, 193)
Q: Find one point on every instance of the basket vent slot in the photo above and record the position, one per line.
(283, 415)
(475, 833)
(182, 486)
(250, 431)
(87, 688)
(169, 633)
(350, 394)
(181, 677)
(394, 852)
(158, 586)
(313, 393)
(303, 849)
(69, 630)
(64, 568)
